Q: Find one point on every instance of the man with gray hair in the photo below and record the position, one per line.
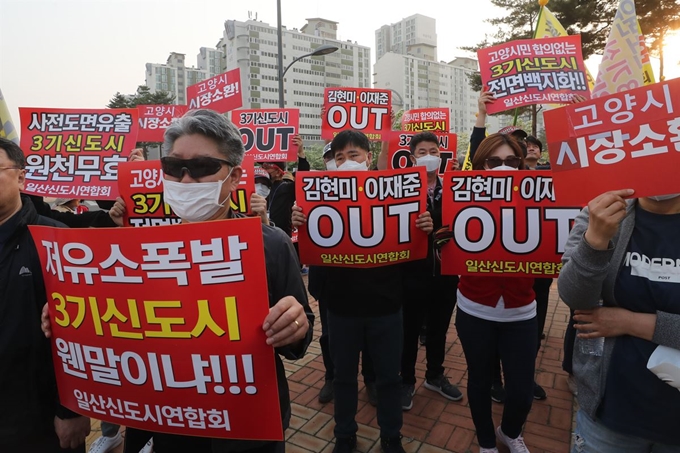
(201, 169)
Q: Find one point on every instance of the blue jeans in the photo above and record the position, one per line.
(593, 437)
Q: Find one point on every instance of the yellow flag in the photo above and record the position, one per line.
(622, 67)
(467, 165)
(647, 71)
(7, 129)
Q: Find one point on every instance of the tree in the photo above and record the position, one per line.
(657, 19)
(143, 96)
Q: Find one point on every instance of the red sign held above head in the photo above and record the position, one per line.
(155, 119)
(628, 140)
(267, 134)
(399, 154)
(221, 93)
(421, 120)
(196, 294)
(364, 109)
(75, 152)
(361, 219)
(504, 223)
(533, 71)
(141, 188)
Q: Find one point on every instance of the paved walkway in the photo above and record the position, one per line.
(435, 424)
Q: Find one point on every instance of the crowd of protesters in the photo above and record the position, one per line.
(625, 310)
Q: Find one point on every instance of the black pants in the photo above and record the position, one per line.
(324, 340)
(569, 338)
(542, 290)
(169, 443)
(432, 298)
(516, 343)
(382, 337)
(47, 443)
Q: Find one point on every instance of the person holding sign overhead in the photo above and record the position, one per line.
(364, 312)
(497, 315)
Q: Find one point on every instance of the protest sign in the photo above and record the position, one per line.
(155, 119)
(240, 198)
(364, 109)
(141, 188)
(74, 152)
(628, 140)
(420, 120)
(504, 223)
(399, 154)
(267, 134)
(196, 294)
(533, 71)
(362, 219)
(221, 93)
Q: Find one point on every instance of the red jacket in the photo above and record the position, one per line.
(516, 291)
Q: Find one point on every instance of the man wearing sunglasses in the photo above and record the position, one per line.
(201, 170)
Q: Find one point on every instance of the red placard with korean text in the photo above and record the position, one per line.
(421, 120)
(361, 218)
(196, 294)
(533, 71)
(221, 93)
(155, 119)
(628, 140)
(141, 188)
(364, 109)
(399, 153)
(267, 134)
(75, 152)
(504, 223)
(240, 198)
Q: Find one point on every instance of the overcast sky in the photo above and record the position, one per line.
(78, 53)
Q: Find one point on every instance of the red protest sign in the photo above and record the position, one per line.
(420, 120)
(221, 93)
(141, 188)
(504, 223)
(533, 71)
(240, 198)
(399, 152)
(363, 109)
(628, 140)
(74, 152)
(267, 134)
(362, 218)
(155, 119)
(196, 294)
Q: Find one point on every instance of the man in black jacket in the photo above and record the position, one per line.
(31, 419)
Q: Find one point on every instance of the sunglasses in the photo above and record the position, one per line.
(197, 167)
(510, 161)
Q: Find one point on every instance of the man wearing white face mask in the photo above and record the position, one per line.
(621, 275)
(201, 170)
(427, 294)
(364, 312)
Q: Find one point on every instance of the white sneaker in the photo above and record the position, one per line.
(488, 450)
(106, 444)
(515, 445)
(148, 447)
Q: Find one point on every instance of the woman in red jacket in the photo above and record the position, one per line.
(497, 315)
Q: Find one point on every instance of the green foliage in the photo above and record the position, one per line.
(657, 19)
(143, 96)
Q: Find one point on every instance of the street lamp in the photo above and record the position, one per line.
(324, 49)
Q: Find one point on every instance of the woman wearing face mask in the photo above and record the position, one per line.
(621, 274)
(497, 315)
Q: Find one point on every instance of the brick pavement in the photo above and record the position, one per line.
(434, 424)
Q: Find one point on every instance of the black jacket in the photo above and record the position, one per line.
(283, 279)
(28, 391)
(280, 201)
(95, 219)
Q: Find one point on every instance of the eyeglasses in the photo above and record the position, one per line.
(510, 161)
(197, 167)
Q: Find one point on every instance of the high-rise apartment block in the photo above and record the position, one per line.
(414, 35)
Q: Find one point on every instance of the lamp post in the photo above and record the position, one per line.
(323, 49)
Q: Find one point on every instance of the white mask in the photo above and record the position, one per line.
(350, 165)
(502, 167)
(669, 196)
(261, 189)
(331, 166)
(194, 201)
(430, 162)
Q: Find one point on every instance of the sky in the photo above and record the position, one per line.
(79, 53)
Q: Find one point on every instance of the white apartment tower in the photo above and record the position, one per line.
(252, 47)
(415, 35)
(175, 77)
